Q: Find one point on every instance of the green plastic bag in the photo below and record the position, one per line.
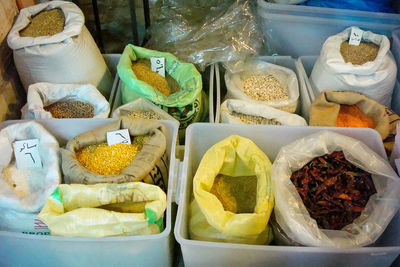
(188, 105)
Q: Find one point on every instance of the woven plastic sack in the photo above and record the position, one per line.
(149, 165)
(70, 56)
(105, 210)
(286, 77)
(41, 95)
(375, 79)
(234, 156)
(291, 213)
(239, 106)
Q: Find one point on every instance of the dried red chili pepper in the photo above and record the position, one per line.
(334, 191)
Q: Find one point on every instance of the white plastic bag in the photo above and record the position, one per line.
(287, 78)
(41, 95)
(240, 106)
(292, 215)
(375, 79)
(141, 105)
(70, 56)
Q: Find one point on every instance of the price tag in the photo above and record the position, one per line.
(158, 65)
(27, 154)
(118, 137)
(355, 36)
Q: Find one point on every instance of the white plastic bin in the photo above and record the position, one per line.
(19, 249)
(112, 62)
(200, 137)
(301, 30)
(287, 62)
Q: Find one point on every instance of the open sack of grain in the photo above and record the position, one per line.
(48, 100)
(50, 43)
(368, 68)
(261, 82)
(23, 190)
(243, 112)
(88, 159)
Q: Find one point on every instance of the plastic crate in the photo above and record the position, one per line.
(302, 30)
(200, 137)
(19, 249)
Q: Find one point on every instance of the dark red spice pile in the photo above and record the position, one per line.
(334, 191)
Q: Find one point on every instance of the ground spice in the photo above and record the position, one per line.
(250, 119)
(334, 191)
(70, 109)
(144, 115)
(352, 116)
(264, 88)
(45, 23)
(237, 194)
(145, 74)
(359, 54)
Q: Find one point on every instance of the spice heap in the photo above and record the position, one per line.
(144, 115)
(334, 191)
(237, 194)
(352, 116)
(359, 54)
(250, 119)
(145, 74)
(45, 23)
(264, 88)
(70, 109)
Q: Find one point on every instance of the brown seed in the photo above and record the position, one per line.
(45, 23)
(70, 109)
(144, 115)
(250, 119)
(359, 54)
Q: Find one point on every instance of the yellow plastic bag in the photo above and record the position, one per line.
(105, 210)
(235, 156)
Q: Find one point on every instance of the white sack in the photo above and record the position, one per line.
(287, 78)
(41, 95)
(141, 105)
(292, 215)
(70, 56)
(41, 182)
(27, 223)
(240, 106)
(375, 79)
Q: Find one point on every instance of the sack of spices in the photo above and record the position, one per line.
(333, 191)
(23, 188)
(179, 93)
(261, 82)
(105, 210)
(50, 43)
(49, 100)
(368, 68)
(232, 194)
(351, 109)
(144, 109)
(242, 112)
(88, 159)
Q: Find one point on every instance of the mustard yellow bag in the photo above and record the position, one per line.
(238, 158)
(105, 210)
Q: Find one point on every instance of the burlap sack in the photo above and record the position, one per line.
(150, 165)
(325, 109)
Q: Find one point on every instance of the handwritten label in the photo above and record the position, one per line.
(355, 36)
(118, 137)
(158, 65)
(27, 154)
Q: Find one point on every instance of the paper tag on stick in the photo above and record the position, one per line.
(118, 137)
(355, 36)
(26, 154)
(158, 65)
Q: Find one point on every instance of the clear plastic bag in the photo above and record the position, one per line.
(291, 213)
(206, 32)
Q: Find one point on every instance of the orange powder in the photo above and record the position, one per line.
(352, 116)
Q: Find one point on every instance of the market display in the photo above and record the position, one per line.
(232, 186)
(334, 191)
(45, 23)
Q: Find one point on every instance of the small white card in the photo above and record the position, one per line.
(27, 154)
(118, 137)
(355, 36)
(158, 65)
